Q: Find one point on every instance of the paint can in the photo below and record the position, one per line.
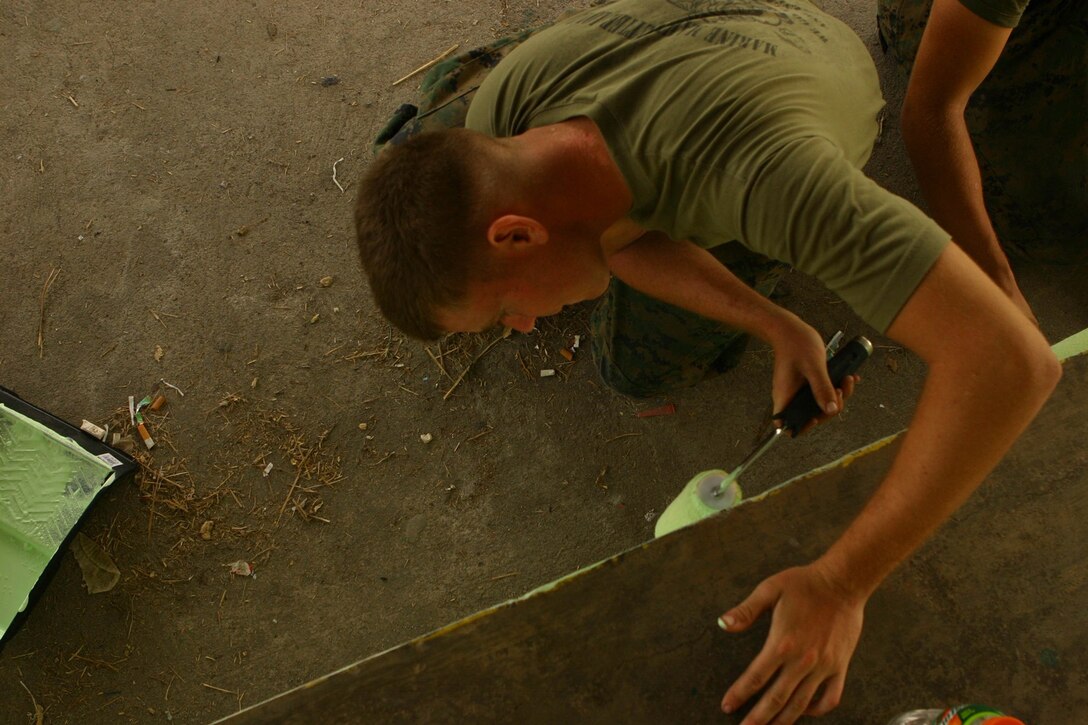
(958, 715)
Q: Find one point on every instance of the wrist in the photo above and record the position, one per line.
(849, 582)
(780, 327)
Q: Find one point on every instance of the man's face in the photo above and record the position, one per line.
(534, 287)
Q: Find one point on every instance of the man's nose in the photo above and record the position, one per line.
(521, 323)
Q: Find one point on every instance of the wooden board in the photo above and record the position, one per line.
(992, 609)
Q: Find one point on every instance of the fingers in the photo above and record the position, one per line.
(848, 385)
(795, 707)
(842, 394)
(796, 690)
(738, 619)
(754, 679)
(830, 698)
(787, 699)
(823, 390)
(741, 617)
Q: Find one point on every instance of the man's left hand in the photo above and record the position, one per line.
(815, 625)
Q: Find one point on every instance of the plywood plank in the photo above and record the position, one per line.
(992, 609)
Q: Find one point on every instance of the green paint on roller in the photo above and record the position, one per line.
(703, 496)
(1072, 346)
(713, 491)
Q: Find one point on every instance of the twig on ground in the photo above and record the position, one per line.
(524, 367)
(503, 576)
(468, 367)
(151, 508)
(294, 484)
(484, 432)
(39, 714)
(625, 435)
(156, 313)
(428, 64)
(437, 361)
(97, 663)
(172, 387)
(334, 174)
(41, 309)
(219, 689)
(384, 458)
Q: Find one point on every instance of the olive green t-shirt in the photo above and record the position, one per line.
(743, 120)
(1005, 13)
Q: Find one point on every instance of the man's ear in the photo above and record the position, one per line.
(511, 233)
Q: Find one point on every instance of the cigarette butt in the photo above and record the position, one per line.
(97, 431)
(547, 373)
(567, 354)
(145, 436)
(158, 402)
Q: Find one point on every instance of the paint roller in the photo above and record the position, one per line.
(716, 490)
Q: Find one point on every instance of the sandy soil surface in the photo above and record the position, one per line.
(173, 163)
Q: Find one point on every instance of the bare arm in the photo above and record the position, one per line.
(957, 52)
(683, 274)
(990, 371)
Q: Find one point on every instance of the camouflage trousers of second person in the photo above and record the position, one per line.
(641, 346)
(1028, 122)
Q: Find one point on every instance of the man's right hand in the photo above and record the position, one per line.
(800, 357)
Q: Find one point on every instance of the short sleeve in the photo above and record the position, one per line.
(1005, 13)
(807, 205)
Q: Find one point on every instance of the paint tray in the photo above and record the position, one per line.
(50, 474)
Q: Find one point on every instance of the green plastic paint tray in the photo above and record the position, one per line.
(50, 474)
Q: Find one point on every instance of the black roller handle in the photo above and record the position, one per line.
(803, 407)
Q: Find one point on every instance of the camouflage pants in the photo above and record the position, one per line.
(641, 346)
(1028, 122)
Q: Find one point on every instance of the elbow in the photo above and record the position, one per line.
(923, 117)
(1040, 370)
(1018, 364)
(1052, 373)
(913, 124)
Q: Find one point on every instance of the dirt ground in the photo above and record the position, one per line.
(174, 163)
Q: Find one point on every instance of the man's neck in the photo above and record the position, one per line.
(573, 177)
